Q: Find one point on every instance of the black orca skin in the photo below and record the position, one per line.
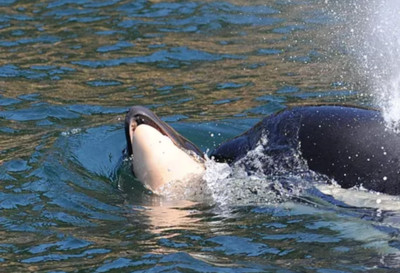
(349, 144)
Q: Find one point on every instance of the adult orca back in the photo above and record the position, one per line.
(349, 144)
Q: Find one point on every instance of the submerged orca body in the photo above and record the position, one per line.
(351, 145)
(348, 144)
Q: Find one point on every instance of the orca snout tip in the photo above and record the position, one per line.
(137, 110)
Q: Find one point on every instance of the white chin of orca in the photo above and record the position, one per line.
(157, 160)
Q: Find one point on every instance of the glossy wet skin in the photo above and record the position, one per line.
(138, 115)
(348, 144)
(159, 154)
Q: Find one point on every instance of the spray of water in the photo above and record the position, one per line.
(374, 40)
(383, 58)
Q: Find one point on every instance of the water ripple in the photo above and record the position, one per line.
(179, 54)
(87, 254)
(67, 244)
(232, 245)
(115, 47)
(71, 68)
(12, 201)
(39, 111)
(8, 101)
(35, 72)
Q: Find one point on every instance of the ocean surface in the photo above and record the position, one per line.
(69, 71)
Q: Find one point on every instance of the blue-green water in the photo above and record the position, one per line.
(70, 69)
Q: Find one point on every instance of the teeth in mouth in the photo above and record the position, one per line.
(133, 125)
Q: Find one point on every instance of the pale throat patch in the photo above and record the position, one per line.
(157, 160)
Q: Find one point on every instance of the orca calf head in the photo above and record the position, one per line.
(159, 154)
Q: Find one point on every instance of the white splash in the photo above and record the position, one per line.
(360, 197)
(233, 186)
(246, 183)
(389, 101)
(374, 38)
(385, 37)
(73, 131)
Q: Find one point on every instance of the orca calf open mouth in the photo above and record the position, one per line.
(159, 154)
(138, 115)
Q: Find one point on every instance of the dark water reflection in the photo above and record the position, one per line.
(68, 72)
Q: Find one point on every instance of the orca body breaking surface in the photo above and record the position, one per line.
(349, 144)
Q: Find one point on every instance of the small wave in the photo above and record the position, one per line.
(361, 197)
